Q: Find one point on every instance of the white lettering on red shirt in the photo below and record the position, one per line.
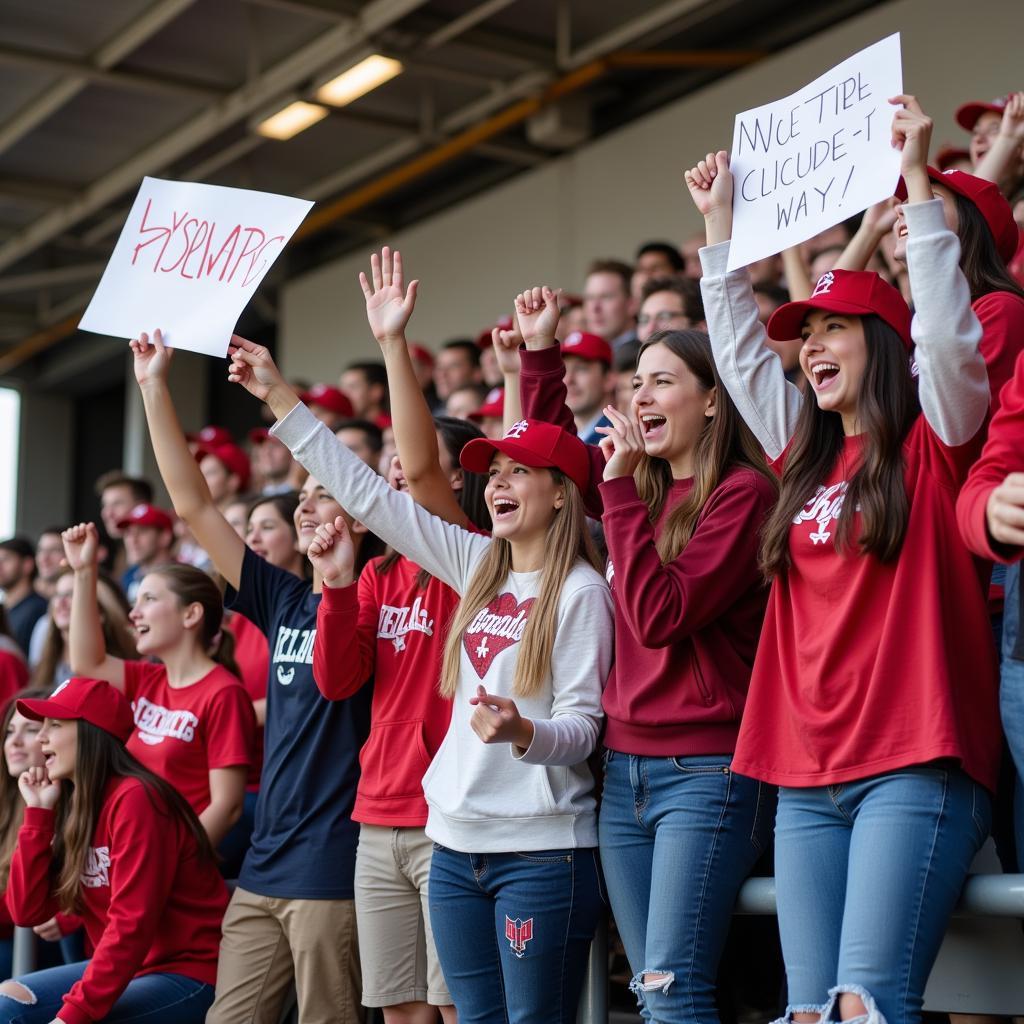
(97, 867)
(823, 509)
(394, 623)
(156, 723)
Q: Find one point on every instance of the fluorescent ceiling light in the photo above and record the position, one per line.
(291, 120)
(360, 79)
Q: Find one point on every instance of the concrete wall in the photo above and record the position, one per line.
(604, 199)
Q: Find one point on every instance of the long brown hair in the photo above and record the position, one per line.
(117, 632)
(725, 443)
(886, 409)
(99, 758)
(568, 542)
(193, 586)
(12, 806)
(979, 258)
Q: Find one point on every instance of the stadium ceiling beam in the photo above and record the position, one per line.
(86, 71)
(114, 50)
(249, 99)
(11, 284)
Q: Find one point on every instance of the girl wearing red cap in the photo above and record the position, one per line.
(195, 724)
(683, 497)
(873, 697)
(105, 838)
(514, 891)
(391, 626)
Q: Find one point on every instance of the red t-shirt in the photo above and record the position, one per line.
(252, 655)
(865, 667)
(1001, 315)
(149, 903)
(389, 628)
(181, 734)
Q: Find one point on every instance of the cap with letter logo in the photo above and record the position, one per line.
(584, 345)
(147, 515)
(533, 443)
(851, 292)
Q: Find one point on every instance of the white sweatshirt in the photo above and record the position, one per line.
(953, 381)
(481, 799)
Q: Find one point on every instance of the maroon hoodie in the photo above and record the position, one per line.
(685, 632)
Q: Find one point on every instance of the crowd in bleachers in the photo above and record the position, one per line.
(752, 536)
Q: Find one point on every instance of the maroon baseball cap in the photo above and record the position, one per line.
(258, 435)
(328, 398)
(533, 443)
(484, 339)
(147, 515)
(584, 345)
(949, 155)
(93, 700)
(985, 195)
(493, 407)
(211, 435)
(234, 460)
(967, 115)
(854, 292)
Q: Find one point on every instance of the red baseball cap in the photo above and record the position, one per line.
(985, 195)
(234, 460)
(584, 345)
(855, 292)
(147, 515)
(93, 700)
(533, 443)
(258, 435)
(493, 407)
(484, 339)
(421, 354)
(950, 155)
(328, 398)
(968, 114)
(211, 435)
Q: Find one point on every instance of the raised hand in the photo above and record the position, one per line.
(1004, 512)
(506, 350)
(389, 304)
(333, 554)
(879, 219)
(254, 368)
(81, 546)
(912, 136)
(497, 720)
(710, 184)
(152, 358)
(537, 315)
(622, 444)
(38, 789)
(1012, 125)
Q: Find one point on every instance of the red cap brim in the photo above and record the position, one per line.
(477, 454)
(967, 115)
(787, 321)
(37, 710)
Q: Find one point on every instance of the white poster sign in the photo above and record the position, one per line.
(813, 159)
(188, 260)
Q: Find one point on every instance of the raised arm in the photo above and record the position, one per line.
(87, 649)
(389, 305)
(750, 370)
(953, 380)
(507, 345)
(1001, 164)
(798, 277)
(876, 223)
(444, 550)
(179, 469)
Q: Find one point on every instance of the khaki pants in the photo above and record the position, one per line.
(268, 943)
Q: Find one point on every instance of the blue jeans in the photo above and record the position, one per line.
(1011, 699)
(678, 837)
(153, 998)
(513, 931)
(867, 874)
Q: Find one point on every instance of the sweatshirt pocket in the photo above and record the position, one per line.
(698, 674)
(394, 760)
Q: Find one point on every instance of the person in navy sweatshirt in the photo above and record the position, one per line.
(684, 492)
(105, 838)
(872, 703)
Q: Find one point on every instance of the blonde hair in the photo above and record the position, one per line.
(568, 542)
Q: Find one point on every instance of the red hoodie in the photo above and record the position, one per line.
(1003, 454)
(398, 639)
(685, 632)
(149, 904)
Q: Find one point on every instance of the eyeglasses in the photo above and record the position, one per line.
(666, 316)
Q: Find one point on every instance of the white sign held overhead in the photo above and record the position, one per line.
(813, 159)
(188, 260)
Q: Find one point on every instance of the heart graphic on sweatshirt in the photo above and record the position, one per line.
(494, 628)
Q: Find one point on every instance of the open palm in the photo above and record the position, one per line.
(389, 304)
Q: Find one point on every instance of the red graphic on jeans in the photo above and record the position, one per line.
(494, 628)
(518, 933)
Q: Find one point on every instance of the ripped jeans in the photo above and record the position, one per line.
(678, 837)
(153, 998)
(867, 874)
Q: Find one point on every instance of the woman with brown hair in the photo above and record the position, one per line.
(105, 838)
(54, 666)
(195, 724)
